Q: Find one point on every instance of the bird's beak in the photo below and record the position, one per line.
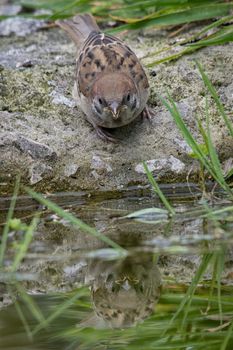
(126, 286)
(114, 109)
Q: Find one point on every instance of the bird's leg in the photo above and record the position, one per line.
(147, 113)
(105, 135)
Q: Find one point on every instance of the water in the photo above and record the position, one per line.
(163, 291)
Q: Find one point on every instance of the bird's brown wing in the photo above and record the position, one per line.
(102, 54)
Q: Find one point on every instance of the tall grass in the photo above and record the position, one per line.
(212, 34)
(206, 155)
(8, 221)
(137, 14)
(24, 245)
(184, 323)
(202, 330)
(217, 100)
(157, 190)
(209, 159)
(131, 15)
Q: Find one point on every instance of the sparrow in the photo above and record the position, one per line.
(111, 86)
(123, 292)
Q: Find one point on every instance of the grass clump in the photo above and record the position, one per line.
(136, 14)
(216, 33)
(8, 222)
(131, 15)
(206, 155)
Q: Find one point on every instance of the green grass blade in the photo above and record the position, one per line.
(172, 57)
(28, 236)
(157, 190)
(221, 37)
(220, 269)
(213, 280)
(60, 309)
(186, 133)
(217, 211)
(65, 8)
(196, 13)
(214, 94)
(213, 166)
(219, 260)
(203, 133)
(191, 290)
(227, 337)
(213, 155)
(30, 303)
(207, 29)
(196, 36)
(8, 219)
(171, 5)
(73, 220)
(229, 174)
(24, 321)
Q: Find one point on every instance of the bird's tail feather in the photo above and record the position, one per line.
(79, 27)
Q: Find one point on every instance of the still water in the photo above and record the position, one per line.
(170, 287)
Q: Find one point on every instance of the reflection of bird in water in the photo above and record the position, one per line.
(123, 292)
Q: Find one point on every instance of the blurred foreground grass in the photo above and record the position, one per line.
(136, 13)
(122, 15)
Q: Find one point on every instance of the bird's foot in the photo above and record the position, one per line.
(147, 113)
(105, 135)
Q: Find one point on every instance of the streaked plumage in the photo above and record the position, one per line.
(111, 86)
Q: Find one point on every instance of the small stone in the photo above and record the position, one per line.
(25, 64)
(153, 73)
(182, 144)
(43, 12)
(95, 174)
(35, 149)
(166, 164)
(176, 165)
(228, 93)
(112, 24)
(10, 10)
(227, 166)
(20, 26)
(74, 270)
(59, 99)
(37, 171)
(152, 164)
(71, 169)
(101, 164)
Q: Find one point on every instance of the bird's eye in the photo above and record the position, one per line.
(100, 101)
(128, 97)
(110, 277)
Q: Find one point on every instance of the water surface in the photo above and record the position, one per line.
(73, 291)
